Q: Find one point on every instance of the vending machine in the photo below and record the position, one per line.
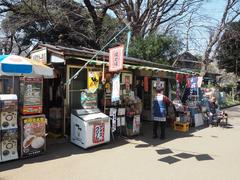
(30, 100)
(8, 127)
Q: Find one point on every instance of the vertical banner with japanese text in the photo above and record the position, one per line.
(116, 88)
(116, 58)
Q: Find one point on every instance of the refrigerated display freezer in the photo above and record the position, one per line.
(89, 127)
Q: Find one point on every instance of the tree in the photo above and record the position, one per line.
(230, 14)
(65, 23)
(145, 16)
(228, 53)
(155, 48)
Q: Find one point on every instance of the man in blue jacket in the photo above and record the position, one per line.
(160, 104)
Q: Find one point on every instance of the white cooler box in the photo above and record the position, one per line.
(89, 127)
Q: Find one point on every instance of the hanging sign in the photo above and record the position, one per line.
(93, 80)
(116, 88)
(116, 58)
(145, 84)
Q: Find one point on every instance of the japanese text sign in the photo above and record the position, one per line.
(116, 58)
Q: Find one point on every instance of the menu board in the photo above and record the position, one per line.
(31, 95)
(88, 99)
(33, 135)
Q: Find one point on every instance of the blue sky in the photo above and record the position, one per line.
(213, 9)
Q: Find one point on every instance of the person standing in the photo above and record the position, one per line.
(160, 104)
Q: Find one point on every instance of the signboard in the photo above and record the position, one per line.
(116, 58)
(39, 55)
(98, 133)
(33, 139)
(136, 124)
(93, 80)
(116, 88)
(31, 95)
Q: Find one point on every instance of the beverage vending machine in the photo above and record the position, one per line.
(32, 121)
(8, 127)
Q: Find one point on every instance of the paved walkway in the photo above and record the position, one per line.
(206, 153)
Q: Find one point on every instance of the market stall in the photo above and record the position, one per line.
(21, 78)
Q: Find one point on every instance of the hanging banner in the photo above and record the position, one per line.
(145, 82)
(93, 80)
(116, 88)
(116, 58)
(199, 82)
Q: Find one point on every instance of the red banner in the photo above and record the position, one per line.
(145, 82)
(116, 58)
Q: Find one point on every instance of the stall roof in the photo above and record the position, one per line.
(86, 54)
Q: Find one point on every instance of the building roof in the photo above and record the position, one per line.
(187, 61)
(83, 53)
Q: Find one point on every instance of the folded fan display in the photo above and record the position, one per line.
(13, 65)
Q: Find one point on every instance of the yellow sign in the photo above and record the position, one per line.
(93, 80)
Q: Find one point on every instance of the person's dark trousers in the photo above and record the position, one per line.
(163, 126)
(155, 127)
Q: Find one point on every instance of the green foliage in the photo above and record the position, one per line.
(155, 48)
(229, 51)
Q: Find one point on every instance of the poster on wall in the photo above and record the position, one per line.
(160, 84)
(93, 80)
(98, 133)
(33, 137)
(127, 80)
(116, 88)
(116, 58)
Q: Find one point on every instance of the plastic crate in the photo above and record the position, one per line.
(180, 126)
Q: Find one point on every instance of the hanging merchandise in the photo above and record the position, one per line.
(116, 88)
(178, 86)
(116, 58)
(93, 80)
(146, 84)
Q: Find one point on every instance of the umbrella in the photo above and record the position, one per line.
(13, 65)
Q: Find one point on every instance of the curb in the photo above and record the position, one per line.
(230, 106)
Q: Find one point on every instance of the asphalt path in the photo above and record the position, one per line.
(202, 153)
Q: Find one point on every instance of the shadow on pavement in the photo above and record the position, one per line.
(169, 160)
(56, 151)
(62, 150)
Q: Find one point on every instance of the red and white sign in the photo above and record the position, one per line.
(98, 133)
(116, 58)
